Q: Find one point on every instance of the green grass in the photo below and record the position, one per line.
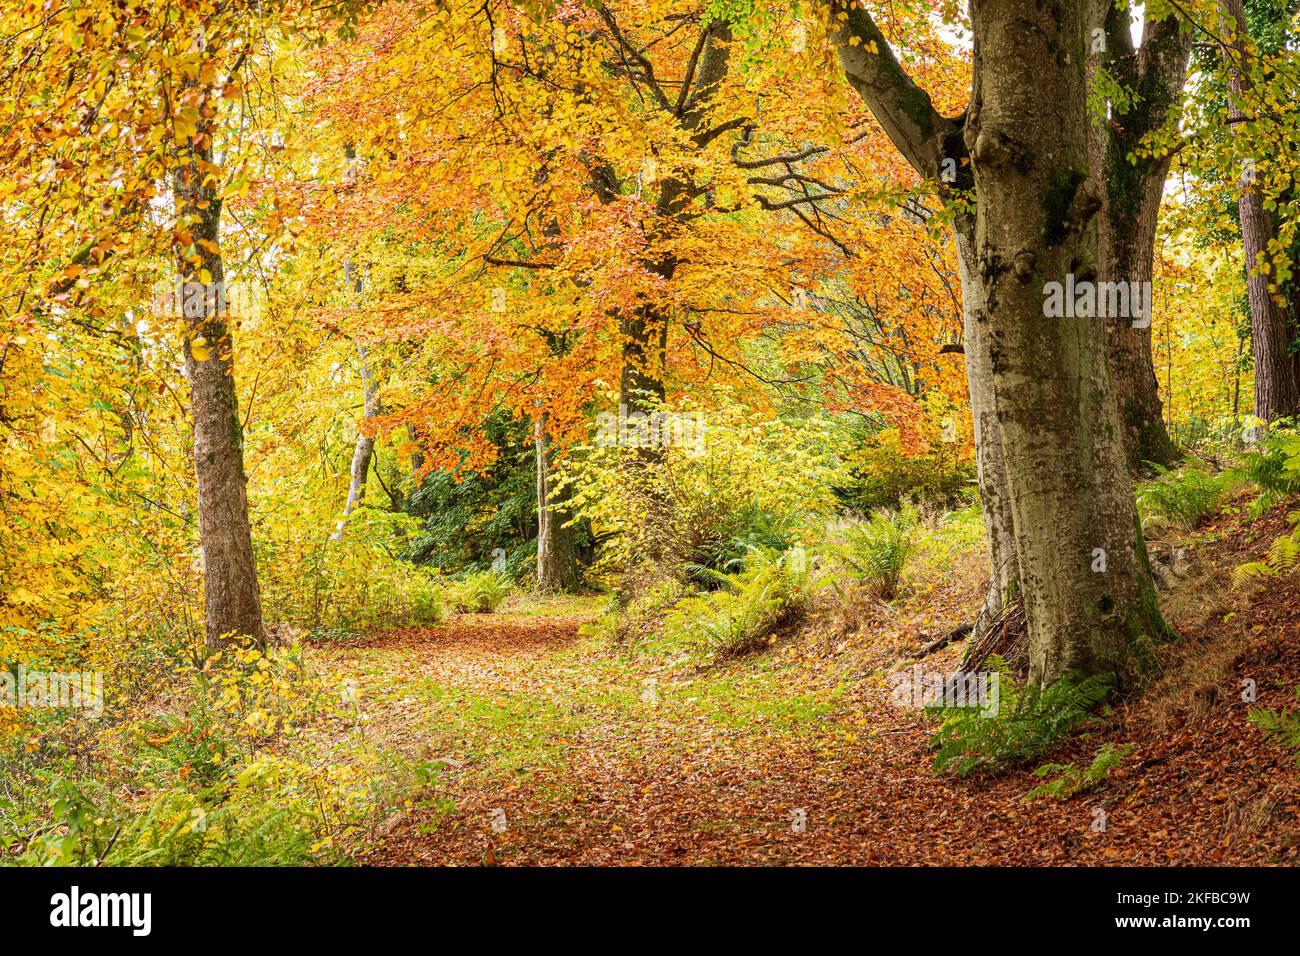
(556, 605)
(757, 701)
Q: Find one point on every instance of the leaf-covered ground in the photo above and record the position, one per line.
(600, 755)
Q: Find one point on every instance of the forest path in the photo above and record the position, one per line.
(540, 746)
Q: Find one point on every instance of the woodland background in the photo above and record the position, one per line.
(443, 246)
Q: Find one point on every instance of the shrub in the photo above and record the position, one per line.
(172, 828)
(1277, 471)
(1028, 722)
(208, 783)
(876, 552)
(885, 474)
(1274, 468)
(637, 618)
(353, 582)
(480, 593)
(747, 482)
(739, 534)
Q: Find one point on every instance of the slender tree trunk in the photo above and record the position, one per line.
(557, 556)
(359, 472)
(1277, 390)
(231, 597)
(417, 456)
(1089, 599)
(1276, 393)
(365, 448)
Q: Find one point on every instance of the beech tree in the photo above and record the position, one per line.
(1136, 91)
(231, 598)
(1041, 395)
(1273, 329)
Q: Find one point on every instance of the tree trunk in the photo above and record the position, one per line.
(932, 143)
(645, 343)
(231, 597)
(645, 330)
(1089, 599)
(1131, 189)
(365, 449)
(1040, 387)
(991, 472)
(1126, 252)
(359, 473)
(1277, 391)
(557, 556)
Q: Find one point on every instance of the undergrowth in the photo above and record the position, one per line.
(1028, 722)
(876, 552)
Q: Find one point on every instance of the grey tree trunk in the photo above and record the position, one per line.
(231, 598)
(933, 145)
(1277, 391)
(557, 554)
(1089, 598)
(1126, 251)
(995, 500)
(1131, 189)
(359, 472)
(1040, 387)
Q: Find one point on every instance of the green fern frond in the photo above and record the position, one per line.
(1029, 721)
(1283, 558)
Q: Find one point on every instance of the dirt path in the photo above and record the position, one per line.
(542, 747)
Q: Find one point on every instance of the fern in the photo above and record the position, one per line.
(1274, 468)
(173, 828)
(1181, 498)
(1275, 465)
(749, 606)
(1282, 726)
(480, 593)
(1283, 557)
(1070, 780)
(1029, 721)
(877, 552)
